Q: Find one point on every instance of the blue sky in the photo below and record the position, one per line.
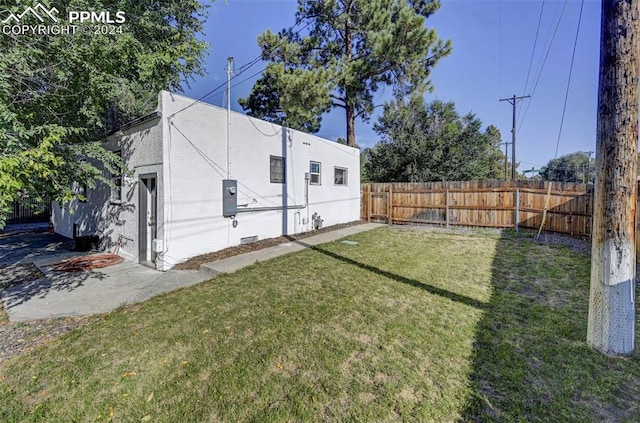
(492, 50)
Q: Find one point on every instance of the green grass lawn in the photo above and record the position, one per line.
(403, 326)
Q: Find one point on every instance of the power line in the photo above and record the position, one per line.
(257, 59)
(249, 77)
(546, 56)
(535, 42)
(500, 52)
(513, 101)
(243, 69)
(200, 99)
(241, 82)
(566, 95)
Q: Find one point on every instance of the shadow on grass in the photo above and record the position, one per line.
(530, 358)
(472, 302)
(530, 361)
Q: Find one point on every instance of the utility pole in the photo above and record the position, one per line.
(611, 324)
(506, 160)
(513, 101)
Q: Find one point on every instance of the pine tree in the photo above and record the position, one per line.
(351, 49)
(423, 142)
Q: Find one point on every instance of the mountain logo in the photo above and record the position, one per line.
(39, 11)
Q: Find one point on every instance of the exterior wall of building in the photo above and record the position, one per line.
(187, 149)
(116, 222)
(196, 148)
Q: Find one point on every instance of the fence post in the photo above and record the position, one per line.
(446, 210)
(390, 202)
(517, 210)
(369, 205)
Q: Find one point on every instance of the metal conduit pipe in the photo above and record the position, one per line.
(274, 208)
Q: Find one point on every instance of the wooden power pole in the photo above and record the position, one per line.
(506, 160)
(611, 325)
(513, 101)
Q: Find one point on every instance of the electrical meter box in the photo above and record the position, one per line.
(229, 197)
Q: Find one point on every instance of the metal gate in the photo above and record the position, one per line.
(27, 210)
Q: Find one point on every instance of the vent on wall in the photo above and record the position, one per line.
(249, 239)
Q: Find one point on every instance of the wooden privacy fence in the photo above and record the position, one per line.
(497, 204)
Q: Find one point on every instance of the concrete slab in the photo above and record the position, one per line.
(62, 294)
(34, 247)
(234, 263)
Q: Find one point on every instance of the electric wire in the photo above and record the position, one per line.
(240, 83)
(243, 69)
(500, 52)
(257, 59)
(533, 51)
(544, 61)
(566, 95)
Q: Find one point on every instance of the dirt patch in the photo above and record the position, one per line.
(195, 262)
(577, 244)
(20, 337)
(366, 397)
(408, 394)
(14, 274)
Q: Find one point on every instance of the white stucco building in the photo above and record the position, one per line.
(171, 207)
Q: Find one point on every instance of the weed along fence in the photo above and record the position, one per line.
(496, 204)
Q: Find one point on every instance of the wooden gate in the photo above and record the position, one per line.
(379, 207)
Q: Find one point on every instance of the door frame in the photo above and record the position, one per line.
(147, 193)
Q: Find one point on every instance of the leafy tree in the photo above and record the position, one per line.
(575, 167)
(352, 49)
(61, 95)
(430, 142)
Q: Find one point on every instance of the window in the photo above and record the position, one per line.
(314, 171)
(276, 164)
(116, 180)
(339, 176)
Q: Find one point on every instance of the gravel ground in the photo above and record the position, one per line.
(582, 246)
